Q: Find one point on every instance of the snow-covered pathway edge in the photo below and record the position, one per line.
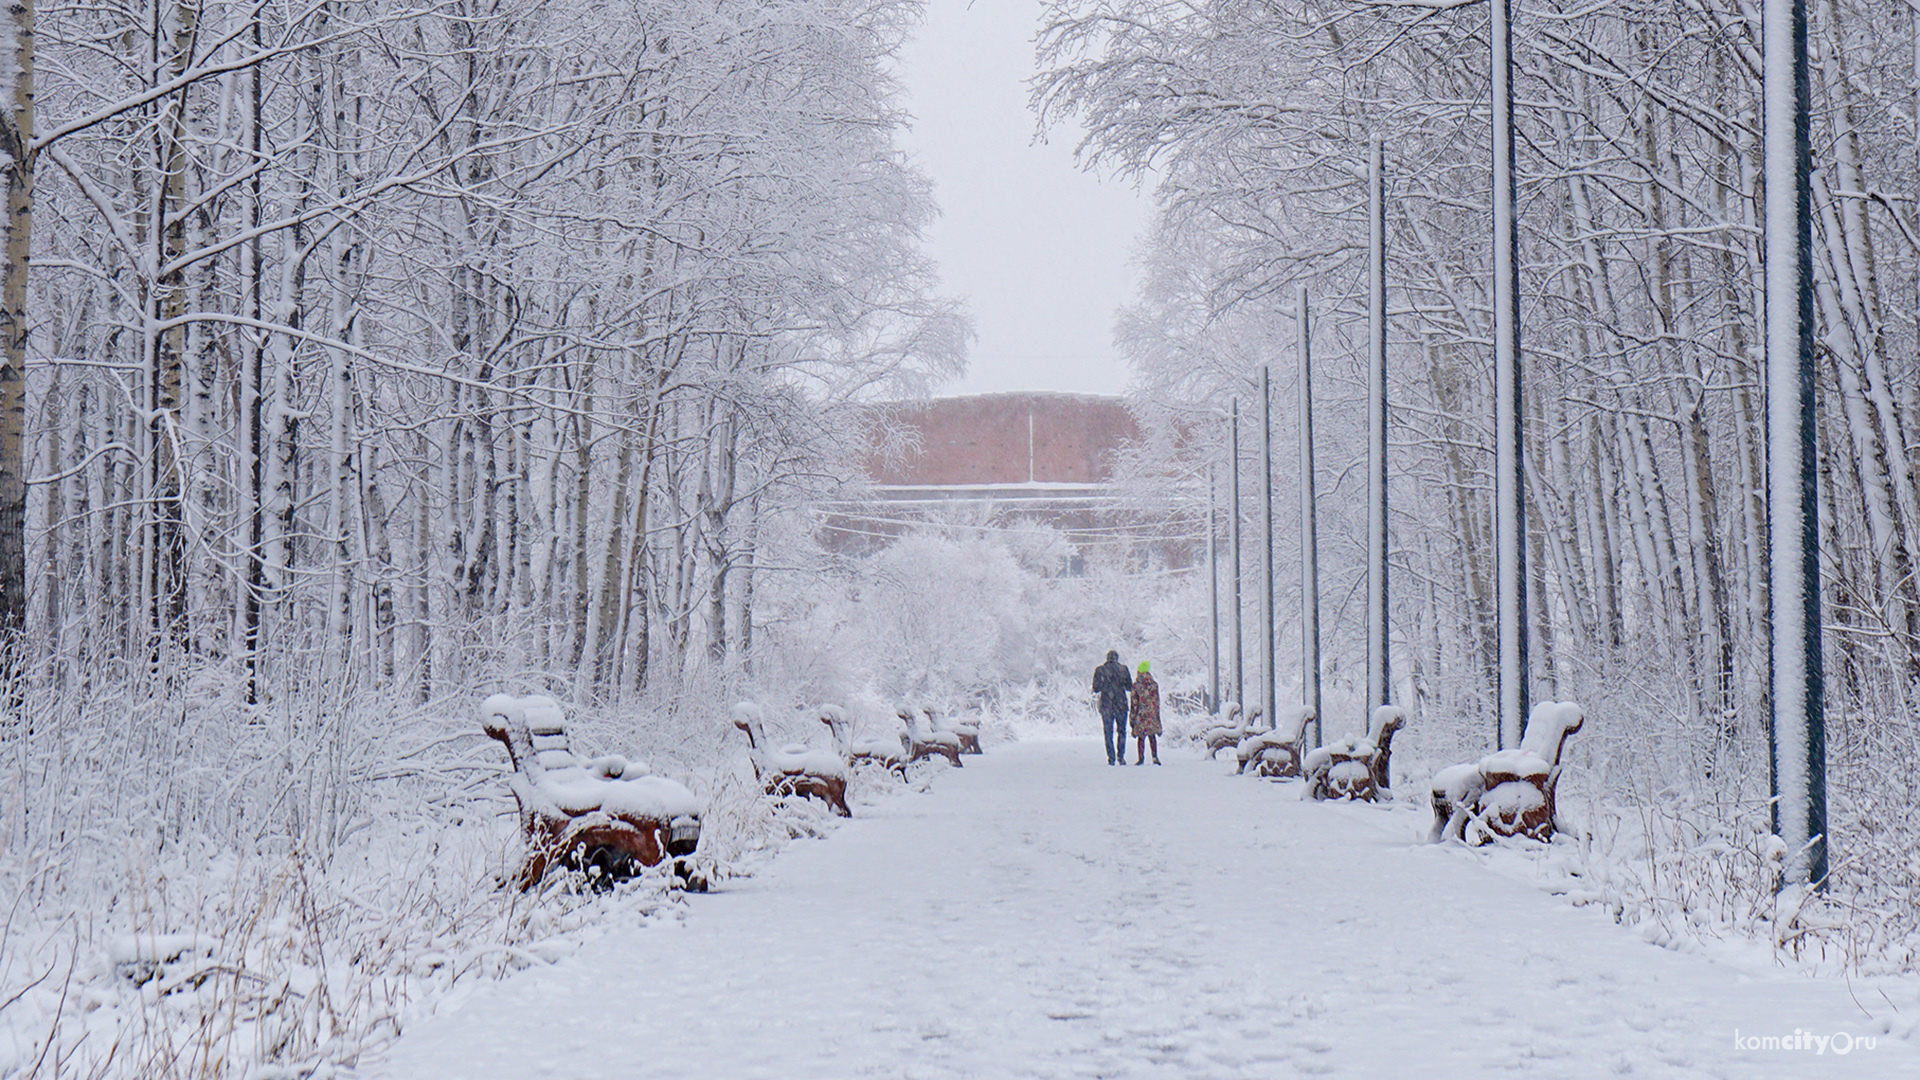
(1040, 914)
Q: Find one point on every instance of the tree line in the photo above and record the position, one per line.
(398, 341)
(1641, 252)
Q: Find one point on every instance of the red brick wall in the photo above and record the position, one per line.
(984, 439)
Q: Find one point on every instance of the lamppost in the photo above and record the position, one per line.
(1379, 690)
(1269, 662)
(1233, 542)
(1309, 530)
(1213, 596)
(1796, 726)
(1509, 503)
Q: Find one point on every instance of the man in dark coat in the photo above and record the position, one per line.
(1113, 684)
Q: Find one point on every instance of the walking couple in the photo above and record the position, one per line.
(1121, 694)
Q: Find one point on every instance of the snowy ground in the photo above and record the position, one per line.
(1040, 914)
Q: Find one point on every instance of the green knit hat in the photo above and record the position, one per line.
(1143, 667)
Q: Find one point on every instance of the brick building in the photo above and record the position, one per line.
(1021, 438)
(991, 461)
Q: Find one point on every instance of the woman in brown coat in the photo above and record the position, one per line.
(1145, 710)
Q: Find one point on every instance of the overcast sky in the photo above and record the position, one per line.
(1042, 253)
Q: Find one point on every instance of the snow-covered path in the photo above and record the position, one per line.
(1041, 914)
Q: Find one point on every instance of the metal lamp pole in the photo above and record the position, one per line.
(1213, 595)
(1269, 663)
(1509, 515)
(1309, 532)
(1796, 726)
(1379, 688)
(1233, 542)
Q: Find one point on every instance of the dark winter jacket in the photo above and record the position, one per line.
(1112, 683)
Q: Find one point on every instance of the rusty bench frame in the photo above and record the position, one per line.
(1274, 754)
(611, 845)
(782, 782)
(1373, 752)
(1459, 793)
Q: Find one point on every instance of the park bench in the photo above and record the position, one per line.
(1509, 792)
(605, 816)
(888, 754)
(796, 770)
(1231, 731)
(1275, 754)
(1360, 767)
(965, 731)
(921, 745)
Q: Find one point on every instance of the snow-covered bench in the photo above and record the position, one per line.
(965, 731)
(607, 816)
(1508, 792)
(1230, 731)
(921, 745)
(1360, 767)
(888, 754)
(1276, 754)
(793, 770)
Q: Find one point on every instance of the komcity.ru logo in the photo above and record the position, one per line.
(1839, 1042)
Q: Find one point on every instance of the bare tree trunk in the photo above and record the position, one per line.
(253, 395)
(16, 140)
(636, 603)
(382, 626)
(53, 579)
(750, 550)
(339, 505)
(583, 446)
(425, 638)
(1468, 517)
(1603, 526)
(603, 613)
(716, 504)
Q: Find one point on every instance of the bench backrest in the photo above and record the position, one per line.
(548, 726)
(1387, 719)
(544, 726)
(1548, 726)
(1293, 721)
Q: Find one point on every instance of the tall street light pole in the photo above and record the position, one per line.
(1510, 523)
(1269, 663)
(1379, 687)
(1309, 531)
(1233, 542)
(1796, 721)
(1213, 594)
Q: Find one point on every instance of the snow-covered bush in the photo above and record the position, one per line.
(988, 621)
(194, 887)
